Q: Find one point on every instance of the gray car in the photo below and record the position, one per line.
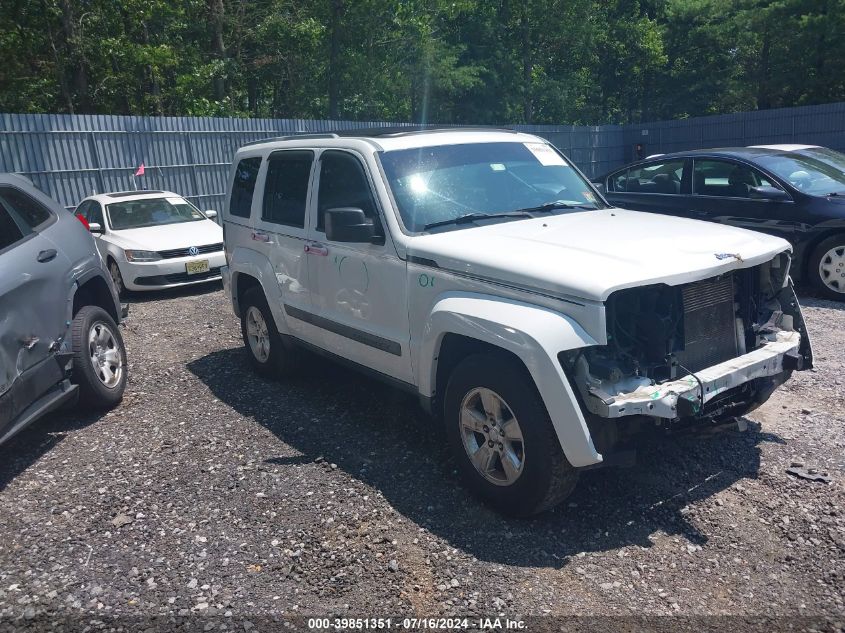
(59, 339)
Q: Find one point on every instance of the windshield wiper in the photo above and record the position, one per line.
(472, 217)
(552, 206)
(835, 194)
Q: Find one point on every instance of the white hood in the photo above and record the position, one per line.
(169, 236)
(590, 254)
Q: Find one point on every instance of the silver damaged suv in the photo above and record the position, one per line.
(59, 339)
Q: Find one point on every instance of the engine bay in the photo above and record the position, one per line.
(659, 333)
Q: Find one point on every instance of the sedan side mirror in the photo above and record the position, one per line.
(348, 224)
(210, 213)
(600, 186)
(768, 193)
(95, 227)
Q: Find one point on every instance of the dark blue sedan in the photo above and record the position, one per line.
(793, 191)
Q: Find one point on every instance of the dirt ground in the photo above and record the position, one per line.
(221, 498)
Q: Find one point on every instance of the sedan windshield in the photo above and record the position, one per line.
(818, 172)
(134, 214)
(454, 186)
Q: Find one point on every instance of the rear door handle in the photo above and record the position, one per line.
(260, 237)
(315, 248)
(47, 255)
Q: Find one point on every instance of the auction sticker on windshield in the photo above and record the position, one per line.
(545, 154)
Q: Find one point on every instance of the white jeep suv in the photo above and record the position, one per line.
(480, 270)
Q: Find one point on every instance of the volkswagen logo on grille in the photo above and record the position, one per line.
(193, 251)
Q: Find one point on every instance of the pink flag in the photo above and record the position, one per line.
(140, 171)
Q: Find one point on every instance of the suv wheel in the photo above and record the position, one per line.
(99, 358)
(827, 267)
(503, 439)
(269, 354)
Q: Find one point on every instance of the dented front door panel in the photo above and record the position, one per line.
(34, 274)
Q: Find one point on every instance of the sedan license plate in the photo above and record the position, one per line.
(199, 266)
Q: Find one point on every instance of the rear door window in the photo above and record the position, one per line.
(243, 186)
(664, 177)
(286, 188)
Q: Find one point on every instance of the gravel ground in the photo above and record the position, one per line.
(211, 491)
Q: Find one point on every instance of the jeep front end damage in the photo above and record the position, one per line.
(708, 350)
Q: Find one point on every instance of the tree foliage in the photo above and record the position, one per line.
(465, 61)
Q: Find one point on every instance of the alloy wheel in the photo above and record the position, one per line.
(257, 334)
(492, 437)
(105, 354)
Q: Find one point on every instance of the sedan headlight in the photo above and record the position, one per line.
(141, 256)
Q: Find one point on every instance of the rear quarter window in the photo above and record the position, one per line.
(243, 187)
(9, 230)
(28, 209)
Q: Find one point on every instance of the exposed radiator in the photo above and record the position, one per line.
(709, 323)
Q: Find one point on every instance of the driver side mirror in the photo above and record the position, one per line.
(95, 227)
(768, 193)
(600, 186)
(348, 224)
(210, 214)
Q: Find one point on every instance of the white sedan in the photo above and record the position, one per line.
(154, 239)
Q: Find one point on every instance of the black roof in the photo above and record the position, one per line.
(730, 152)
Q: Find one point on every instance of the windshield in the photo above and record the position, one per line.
(134, 214)
(444, 182)
(817, 172)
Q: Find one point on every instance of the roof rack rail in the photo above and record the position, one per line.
(304, 135)
(405, 130)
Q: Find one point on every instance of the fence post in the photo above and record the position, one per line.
(189, 153)
(95, 155)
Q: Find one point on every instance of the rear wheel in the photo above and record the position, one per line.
(99, 358)
(503, 439)
(269, 354)
(827, 267)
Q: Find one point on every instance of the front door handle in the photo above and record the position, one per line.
(47, 255)
(260, 237)
(315, 248)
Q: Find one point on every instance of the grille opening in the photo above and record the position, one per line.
(709, 323)
(185, 252)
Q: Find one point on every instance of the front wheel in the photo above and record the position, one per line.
(99, 358)
(117, 279)
(501, 434)
(827, 267)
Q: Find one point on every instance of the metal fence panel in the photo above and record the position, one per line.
(72, 156)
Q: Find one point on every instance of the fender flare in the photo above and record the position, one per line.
(245, 261)
(536, 335)
(92, 267)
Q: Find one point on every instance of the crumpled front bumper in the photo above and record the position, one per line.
(662, 400)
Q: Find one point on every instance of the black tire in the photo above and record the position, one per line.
(283, 358)
(97, 390)
(546, 477)
(834, 242)
(117, 278)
